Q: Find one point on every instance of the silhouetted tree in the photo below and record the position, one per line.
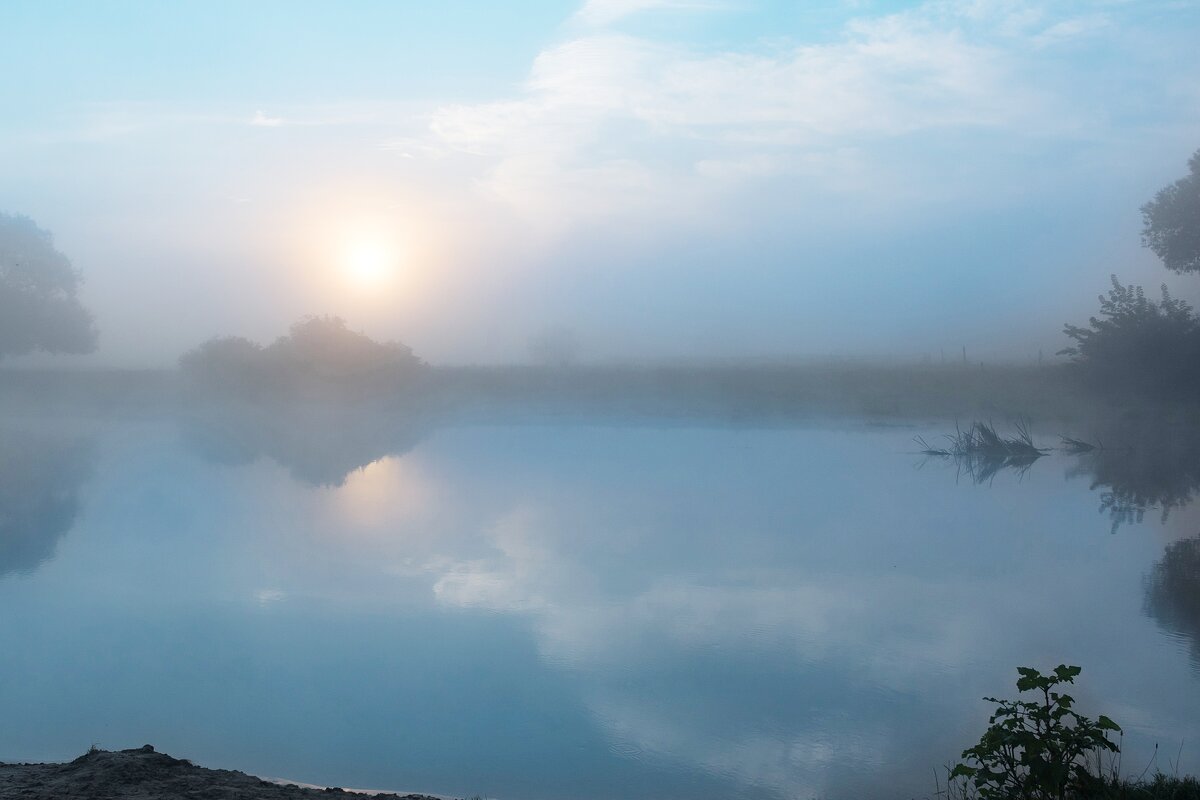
(1171, 221)
(38, 306)
(318, 353)
(1137, 342)
(324, 346)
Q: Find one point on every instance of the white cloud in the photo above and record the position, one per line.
(261, 119)
(891, 633)
(1073, 28)
(606, 123)
(606, 12)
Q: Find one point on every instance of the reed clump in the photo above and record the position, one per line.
(980, 439)
(981, 451)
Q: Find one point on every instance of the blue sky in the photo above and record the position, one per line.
(686, 178)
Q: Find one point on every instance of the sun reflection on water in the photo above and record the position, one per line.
(379, 495)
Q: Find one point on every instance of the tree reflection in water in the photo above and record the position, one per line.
(40, 480)
(1143, 463)
(319, 444)
(1173, 592)
(1139, 462)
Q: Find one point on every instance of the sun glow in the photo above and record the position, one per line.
(369, 263)
(357, 252)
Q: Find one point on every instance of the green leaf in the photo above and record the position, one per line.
(1068, 674)
(1027, 681)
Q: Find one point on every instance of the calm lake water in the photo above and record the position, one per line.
(570, 610)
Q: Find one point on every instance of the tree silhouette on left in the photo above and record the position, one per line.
(39, 309)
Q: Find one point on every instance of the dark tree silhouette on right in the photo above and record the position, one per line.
(1171, 221)
(1136, 343)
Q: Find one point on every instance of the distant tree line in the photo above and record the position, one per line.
(317, 351)
(1137, 343)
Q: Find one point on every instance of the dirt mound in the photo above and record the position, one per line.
(144, 774)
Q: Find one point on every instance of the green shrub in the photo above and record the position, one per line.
(1038, 750)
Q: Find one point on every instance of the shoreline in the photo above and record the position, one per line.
(145, 774)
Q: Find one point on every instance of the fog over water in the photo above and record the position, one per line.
(667, 179)
(596, 398)
(591, 609)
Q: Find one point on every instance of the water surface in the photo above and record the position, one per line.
(569, 609)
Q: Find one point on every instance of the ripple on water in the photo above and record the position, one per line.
(627, 750)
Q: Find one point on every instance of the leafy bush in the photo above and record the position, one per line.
(1138, 343)
(324, 346)
(226, 362)
(1037, 750)
(318, 351)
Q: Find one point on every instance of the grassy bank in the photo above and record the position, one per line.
(769, 391)
(1158, 787)
(737, 392)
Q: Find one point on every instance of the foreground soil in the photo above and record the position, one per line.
(143, 774)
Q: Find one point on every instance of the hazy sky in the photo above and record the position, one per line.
(667, 177)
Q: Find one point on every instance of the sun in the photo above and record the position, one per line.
(369, 263)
